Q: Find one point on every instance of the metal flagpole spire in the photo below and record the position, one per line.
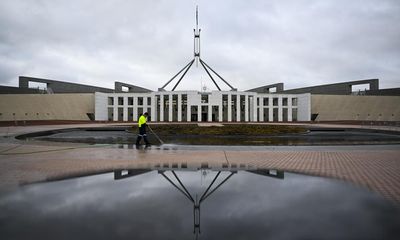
(197, 59)
(196, 202)
(197, 38)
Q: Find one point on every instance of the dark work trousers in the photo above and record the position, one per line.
(142, 133)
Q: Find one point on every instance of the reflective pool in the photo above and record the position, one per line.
(115, 135)
(203, 204)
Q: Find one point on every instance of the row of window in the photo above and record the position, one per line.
(140, 100)
(28, 114)
(204, 99)
(205, 115)
(276, 100)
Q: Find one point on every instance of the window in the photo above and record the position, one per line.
(204, 98)
(265, 101)
(275, 113)
(242, 102)
(184, 99)
(110, 114)
(275, 101)
(284, 101)
(124, 89)
(272, 90)
(110, 100)
(294, 101)
(140, 100)
(285, 114)
(37, 85)
(225, 100)
(294, 114)
(120, 101)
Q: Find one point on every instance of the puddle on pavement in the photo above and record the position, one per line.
(175, 202)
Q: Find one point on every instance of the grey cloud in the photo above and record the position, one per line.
(250, 43)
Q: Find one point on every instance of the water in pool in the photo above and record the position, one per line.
(196, 204)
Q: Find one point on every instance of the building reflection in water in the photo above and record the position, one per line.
(177, 183)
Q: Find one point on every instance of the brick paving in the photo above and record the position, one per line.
(375, 168)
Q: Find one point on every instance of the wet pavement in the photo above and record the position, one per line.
(375, 167)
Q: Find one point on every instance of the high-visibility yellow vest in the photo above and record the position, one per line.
(142, 120)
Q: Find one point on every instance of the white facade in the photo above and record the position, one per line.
(193, 106)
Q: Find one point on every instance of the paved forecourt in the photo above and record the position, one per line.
(374, 167)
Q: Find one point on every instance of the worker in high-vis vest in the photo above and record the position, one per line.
(142, 123)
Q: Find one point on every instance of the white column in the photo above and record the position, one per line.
(209, 112)
(238, 108)
(270, 108)
(115, 109)
(199, 113)
(170, 108)
(148, 105)
(189, 110)
(261, 109)
(220, 111)
(255, 108)
(144, 104)
(251, 109)
(125, 111)
(179, 107)
(280, 112)
(246, 108)
(153, 108)
(161, 108)
(135, 109)
(289, 112)
(229, 107)
(304, 107)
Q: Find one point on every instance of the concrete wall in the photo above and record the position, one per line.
(344, 88)
(266, 89)
(46, 106)
(131, 88)
(62, 87)
(76, 106)
(17, 90)
(363, 108)
(384, 92)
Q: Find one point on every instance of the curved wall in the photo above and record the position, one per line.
(359, 108)
(17, 107)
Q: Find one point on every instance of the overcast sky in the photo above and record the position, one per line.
(250, 43)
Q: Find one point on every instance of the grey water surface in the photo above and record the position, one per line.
(150, 204)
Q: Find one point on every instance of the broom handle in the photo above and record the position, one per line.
(151, 130)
